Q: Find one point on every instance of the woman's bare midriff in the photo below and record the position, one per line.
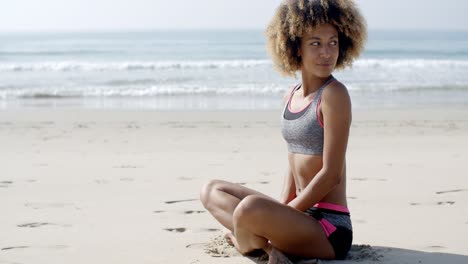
(305, 167)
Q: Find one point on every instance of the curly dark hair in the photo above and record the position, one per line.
(294, 17)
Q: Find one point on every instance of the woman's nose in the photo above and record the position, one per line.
(325, 52)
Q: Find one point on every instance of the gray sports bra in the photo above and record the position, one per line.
(303, 130)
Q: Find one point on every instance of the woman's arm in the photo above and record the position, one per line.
(289, 188)
(336, 110)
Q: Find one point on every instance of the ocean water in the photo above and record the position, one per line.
(171, 70)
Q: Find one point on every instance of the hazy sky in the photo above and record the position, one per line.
(38, 15)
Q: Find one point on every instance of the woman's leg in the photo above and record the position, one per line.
(221, 198)
(258, 220)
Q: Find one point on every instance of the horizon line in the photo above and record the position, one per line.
(137, 30)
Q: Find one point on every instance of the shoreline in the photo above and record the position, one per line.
(360, 114)
(361, 99)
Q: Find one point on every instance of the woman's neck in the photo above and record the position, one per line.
(310, 84)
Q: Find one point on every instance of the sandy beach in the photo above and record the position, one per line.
(121, 186)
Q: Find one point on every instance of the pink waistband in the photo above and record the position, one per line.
(330, 206)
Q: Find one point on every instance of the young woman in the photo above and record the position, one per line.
(311, 219)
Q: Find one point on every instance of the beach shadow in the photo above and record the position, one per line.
(359, 254)
(388, 255)
(365, 254)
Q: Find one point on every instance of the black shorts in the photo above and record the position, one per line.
(337, 227)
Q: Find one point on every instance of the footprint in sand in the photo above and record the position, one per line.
(58, 247)
(79, 125)
(209, 230)
(181, 201)
(194, 212)
(17, 247)
(451, 191)
(127, 167)
(185, 178)
(176, 230)
(127, 179)
(101, 181)
(197, 245)
(32, 225)
(47, 247)
(132, 126)
(359, 179)
(185, 212)
(183, 229)
(5, 184)
(435, 247)
(446, 203)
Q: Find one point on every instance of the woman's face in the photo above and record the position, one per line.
(319, 51)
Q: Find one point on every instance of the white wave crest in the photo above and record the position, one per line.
(128, 66)
(409, 63)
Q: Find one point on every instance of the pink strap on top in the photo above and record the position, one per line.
(291, 92)
(290, 99)
(330, 206)
(318, 114)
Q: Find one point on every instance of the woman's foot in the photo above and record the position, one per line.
(257, 253)
(277, 257)
(274, 255)
(230, 239)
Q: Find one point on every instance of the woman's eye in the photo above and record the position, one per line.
(334, 43)
(315, 43)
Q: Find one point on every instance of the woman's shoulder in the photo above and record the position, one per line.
(335, 90)
(335, 87)
(336, 94)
